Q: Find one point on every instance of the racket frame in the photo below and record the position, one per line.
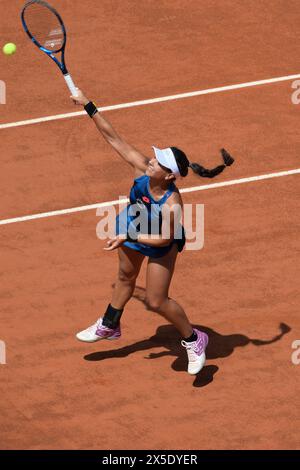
(51, 54)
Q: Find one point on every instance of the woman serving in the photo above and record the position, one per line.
(155, 194)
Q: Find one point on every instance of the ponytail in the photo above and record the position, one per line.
(205, 173)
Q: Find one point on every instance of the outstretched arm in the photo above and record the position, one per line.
(127, 151)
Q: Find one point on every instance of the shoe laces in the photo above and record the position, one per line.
(192, 348)
(95, 325)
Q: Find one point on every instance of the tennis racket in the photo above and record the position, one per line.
(47, 31)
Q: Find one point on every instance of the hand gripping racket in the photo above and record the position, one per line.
(47, 31)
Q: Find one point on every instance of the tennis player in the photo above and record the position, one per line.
(155, 193)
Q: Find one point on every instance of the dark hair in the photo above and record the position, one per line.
(184, 164)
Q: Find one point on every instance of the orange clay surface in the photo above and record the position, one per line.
(242, 288)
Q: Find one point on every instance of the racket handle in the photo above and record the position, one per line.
(70, 84)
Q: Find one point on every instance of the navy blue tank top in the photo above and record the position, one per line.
(149, 211)
(148, 208)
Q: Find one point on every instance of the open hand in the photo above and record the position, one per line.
(115, 242)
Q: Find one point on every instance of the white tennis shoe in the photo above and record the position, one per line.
(196, 352)
(98, 331)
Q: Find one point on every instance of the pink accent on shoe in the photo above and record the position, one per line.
(108, 333)
(201, 342)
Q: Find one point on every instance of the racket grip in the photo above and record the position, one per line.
(70, 84)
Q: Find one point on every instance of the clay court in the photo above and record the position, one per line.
(242, 288)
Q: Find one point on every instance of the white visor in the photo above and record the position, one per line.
(166, 158)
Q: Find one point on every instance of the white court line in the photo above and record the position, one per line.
(125, 200)
(152, 101)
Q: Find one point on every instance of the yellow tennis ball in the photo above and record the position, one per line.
(9, 49)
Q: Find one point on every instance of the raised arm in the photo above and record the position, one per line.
(127, 151)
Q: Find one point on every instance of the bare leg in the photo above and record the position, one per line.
(159, 275)
(130, 262)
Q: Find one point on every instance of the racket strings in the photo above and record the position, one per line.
(44, 26)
